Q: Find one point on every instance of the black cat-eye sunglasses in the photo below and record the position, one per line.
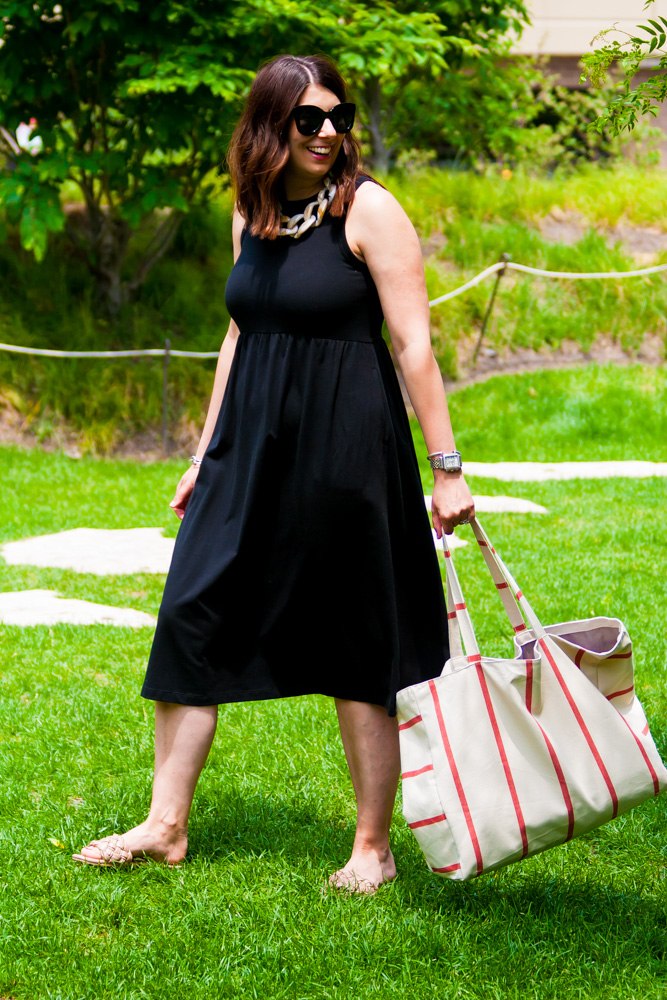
(309, 119)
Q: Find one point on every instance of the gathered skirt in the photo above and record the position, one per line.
(305, 562)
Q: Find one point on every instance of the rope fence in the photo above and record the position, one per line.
(507, 265)
(499, 269)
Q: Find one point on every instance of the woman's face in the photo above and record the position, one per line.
(312, 156)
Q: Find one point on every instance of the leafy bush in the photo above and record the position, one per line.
(466, 221)
(512, 114)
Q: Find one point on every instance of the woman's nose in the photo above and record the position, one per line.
(327, 129)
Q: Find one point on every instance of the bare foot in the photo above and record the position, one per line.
(365, 872)
(154, 840)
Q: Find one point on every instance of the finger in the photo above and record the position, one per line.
(180, 502)
(437, 523)
(181, 496)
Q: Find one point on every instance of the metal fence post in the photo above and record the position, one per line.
(487, 315)
(165, 392)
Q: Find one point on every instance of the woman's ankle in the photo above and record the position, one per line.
(378, 846)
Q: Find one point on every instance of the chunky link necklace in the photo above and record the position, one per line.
(312, 214)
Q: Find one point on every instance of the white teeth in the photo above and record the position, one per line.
(320, 150)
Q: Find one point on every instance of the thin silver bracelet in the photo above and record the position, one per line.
(194, 460)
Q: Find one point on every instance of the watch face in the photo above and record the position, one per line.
(452, 463)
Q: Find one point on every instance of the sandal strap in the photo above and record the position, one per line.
(113, 849)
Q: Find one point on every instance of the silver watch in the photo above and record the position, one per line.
(450, 461)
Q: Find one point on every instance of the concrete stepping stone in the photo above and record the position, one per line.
(501, 505)
(46, 607)
(537, 472)
(102, 551)
(488, 505)
(108, 552)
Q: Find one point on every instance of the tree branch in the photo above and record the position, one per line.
(158, 246)
(12, 147)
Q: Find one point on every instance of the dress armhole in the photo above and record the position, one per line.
(346, 250)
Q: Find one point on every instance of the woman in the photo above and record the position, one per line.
(305, 561)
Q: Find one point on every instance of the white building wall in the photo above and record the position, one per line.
(567, 27)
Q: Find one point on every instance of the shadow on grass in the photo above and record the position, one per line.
(255, 824)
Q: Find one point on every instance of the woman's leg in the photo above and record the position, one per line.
(370, 740)
(183, 738)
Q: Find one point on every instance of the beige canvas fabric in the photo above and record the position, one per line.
(503, 758)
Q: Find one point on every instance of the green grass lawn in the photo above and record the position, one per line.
(274, 815)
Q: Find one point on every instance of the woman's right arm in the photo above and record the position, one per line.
(225, 358)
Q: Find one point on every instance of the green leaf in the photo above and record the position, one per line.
(33, 233)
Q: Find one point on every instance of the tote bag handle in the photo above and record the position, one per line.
(514, 600)
(461, 631)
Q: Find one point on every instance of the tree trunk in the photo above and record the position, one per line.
(103, 241)
(109, 250)
(379, 151)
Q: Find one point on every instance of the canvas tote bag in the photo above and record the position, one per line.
(503, 758)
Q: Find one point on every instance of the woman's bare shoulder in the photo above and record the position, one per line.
(372, 197)
(376, 215)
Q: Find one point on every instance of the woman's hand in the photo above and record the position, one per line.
(452, 502)
(183, 491)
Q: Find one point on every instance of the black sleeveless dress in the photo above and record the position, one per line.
(304, 563)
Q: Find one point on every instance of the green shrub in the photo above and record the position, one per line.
(466, 221)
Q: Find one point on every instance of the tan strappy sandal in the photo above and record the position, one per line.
(113, 852)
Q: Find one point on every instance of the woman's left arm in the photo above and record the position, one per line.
(380, 233)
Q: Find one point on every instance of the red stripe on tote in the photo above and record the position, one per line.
(562, 782)
(617, 694)
(480, 541)
(578, 658)
(645, 730)
(520, 628)
(451, 614)
(457, 778)
(529, 685)
(654, 776)
(448, 868)
(582, 725)
(474, 658)
(410, 722)
(503, 756)
(460, 607)
(502, 586)
(519, 595)
(421, 770)
(427, 822)
(620, 656)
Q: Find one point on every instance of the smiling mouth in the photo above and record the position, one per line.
(320, 150)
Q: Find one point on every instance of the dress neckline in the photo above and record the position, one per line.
(291, 207)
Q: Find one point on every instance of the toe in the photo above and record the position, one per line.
(349, 881)
(89, 855)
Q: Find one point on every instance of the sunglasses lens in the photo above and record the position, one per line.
(308, 120)
(343, 117)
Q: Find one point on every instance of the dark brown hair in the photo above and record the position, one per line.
(259, 149)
